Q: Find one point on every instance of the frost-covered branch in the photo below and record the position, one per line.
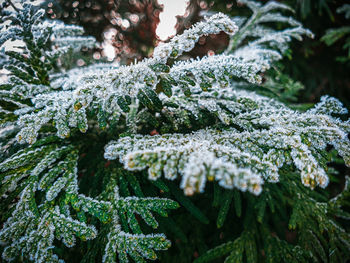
(116, 92)
(265, 36)
(271, 137)
(113, 91)
(35, 223)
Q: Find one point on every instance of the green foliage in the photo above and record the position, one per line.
(333, 35)
(318, 236)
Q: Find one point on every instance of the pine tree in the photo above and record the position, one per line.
(75, 146)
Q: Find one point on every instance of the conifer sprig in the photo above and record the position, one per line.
(270, 137)
(116, 92)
